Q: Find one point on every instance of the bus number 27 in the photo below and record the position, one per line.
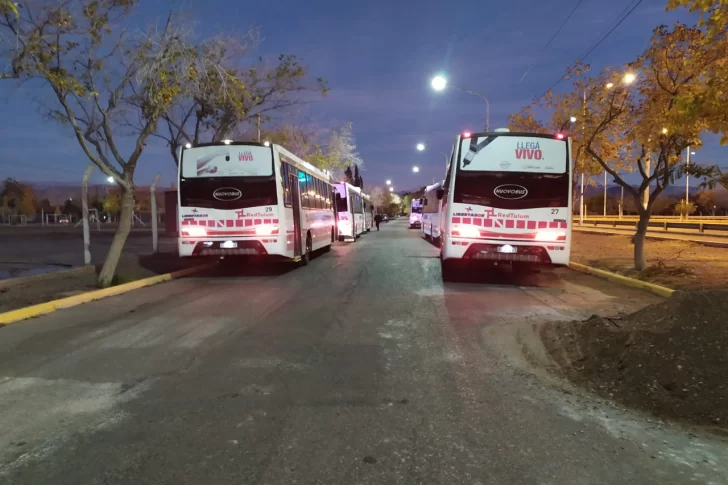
(554, 211)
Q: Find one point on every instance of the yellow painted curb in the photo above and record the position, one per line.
(51, 306)
(623, 280)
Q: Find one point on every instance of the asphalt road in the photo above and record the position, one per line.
(362, 368)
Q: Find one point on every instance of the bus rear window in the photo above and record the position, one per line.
(507, 153)
(228, 193)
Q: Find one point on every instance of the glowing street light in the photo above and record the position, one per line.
(110, 179)
(389, 182)
(415, 169)
(664, 131)
(438, 83)
(610, 85)
(573, 119)
(391, 189)
(629, 78)
(420, 147)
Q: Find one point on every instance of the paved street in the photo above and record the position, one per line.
(362, 368)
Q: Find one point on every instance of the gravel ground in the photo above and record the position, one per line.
(675, 264)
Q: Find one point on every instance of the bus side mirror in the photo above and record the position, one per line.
(440, 194)
(423, 201)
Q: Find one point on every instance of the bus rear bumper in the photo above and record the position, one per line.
(506, 251)
(228, 247)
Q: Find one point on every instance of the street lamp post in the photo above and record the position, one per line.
(439, 83)
(389, 182)
(415, 169)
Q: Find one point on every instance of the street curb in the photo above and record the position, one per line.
(14, 316)
(623, 280)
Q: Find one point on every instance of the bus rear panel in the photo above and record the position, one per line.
(507, 199)
(415, 217)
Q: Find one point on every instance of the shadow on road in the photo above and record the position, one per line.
(251, 267)
(483, 273)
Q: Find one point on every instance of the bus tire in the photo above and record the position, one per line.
(306, 256)
(448, 269)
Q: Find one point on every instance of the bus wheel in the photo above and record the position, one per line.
(448, 270)
(306, 256)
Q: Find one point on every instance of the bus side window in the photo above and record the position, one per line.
(286, 183)
(319, 198)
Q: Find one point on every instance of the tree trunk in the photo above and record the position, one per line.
(639, 241)
(108, 270)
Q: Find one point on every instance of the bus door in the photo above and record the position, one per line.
(296, 206)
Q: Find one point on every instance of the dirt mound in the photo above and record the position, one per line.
(670, 359)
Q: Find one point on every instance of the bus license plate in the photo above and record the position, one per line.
(507, 249)
(229, 245)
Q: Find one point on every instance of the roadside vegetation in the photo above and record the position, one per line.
(641, 117)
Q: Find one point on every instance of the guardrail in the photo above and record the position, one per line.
(662, 222)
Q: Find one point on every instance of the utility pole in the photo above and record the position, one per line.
(84, 212)
(687, 179)
(153, 200)
(605, 193)
(583, 157)
(258, 116)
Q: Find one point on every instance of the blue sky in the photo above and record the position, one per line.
(378, 58)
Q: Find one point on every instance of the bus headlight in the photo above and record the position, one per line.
(551, 236)
(194, 231)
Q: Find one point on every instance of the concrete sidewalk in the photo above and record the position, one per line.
(709, 240)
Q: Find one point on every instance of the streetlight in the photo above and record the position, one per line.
(420, 147)
(664, 131)
(609, 85)
(389, 182)
(439, 83)
(629, 78)
(415, 169)
(391, 189)
(573, 119)
(110, 179)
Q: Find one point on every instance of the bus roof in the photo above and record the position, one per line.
(553, 136)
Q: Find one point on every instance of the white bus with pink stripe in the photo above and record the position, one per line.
(507, 198)
(238, 198)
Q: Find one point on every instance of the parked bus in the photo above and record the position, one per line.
(507, 198)
(368, 212)
(431, 212)
(238, 198)
(415, 216)
(350, 209)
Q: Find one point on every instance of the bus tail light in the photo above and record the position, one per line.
(560, 136)
(551, 236)
(194, 231)
(466, 134)
(466, 231)
(266, 230)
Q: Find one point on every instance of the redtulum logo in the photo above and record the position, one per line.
(246, 156)
(226, 194)
(510, 191)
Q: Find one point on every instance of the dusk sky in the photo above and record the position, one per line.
(378, 58)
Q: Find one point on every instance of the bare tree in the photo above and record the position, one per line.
(224, 96)
(100, 75)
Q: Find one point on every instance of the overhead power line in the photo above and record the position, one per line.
(621, 17)
(553, 37)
